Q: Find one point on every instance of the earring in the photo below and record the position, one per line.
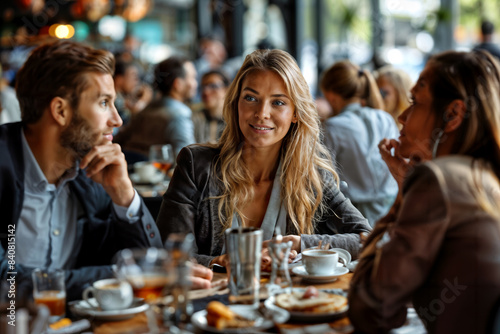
(436, 143)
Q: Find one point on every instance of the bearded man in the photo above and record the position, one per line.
(65, 196)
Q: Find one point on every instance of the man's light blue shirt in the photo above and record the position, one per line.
(46, 234)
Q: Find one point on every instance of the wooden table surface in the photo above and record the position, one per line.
(139, 323)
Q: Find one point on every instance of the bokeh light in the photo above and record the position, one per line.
(62, 31)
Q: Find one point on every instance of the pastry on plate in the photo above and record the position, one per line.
(220, 316)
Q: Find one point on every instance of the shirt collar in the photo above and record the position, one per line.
(351, 106)
(33, 174)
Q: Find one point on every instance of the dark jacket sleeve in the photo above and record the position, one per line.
(339, 224)
(103, 232)
(186, 203)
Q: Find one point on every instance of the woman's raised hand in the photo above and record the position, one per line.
(398, 166)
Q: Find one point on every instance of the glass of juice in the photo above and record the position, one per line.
(150, 272)
(49, 290)
(162, 157)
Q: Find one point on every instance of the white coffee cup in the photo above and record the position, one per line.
(319, 262)
(146, 171)
(110, 294)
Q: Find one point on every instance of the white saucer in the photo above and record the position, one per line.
(83, 309)
(154, 178)
(301, 271)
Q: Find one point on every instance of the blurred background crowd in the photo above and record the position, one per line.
(390, 39)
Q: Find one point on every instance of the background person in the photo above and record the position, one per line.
(352, 135)
(269, 169)
(487, 31)
(439, 245)
(208, 122)
(394, 85)
(9, 106)
(132, 96)
(168, 119)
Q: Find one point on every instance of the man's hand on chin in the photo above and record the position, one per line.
(106, 164)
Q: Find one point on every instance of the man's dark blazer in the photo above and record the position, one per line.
(102, 233)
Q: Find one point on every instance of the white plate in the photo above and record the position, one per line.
(82, 308)
(301, 271)
(199, 319)
(311, 317)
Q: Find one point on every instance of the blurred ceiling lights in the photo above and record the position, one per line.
(94, 10)
(132, 10)
(91, 10)
(34, 6)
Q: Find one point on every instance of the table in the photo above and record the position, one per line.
(138, 324)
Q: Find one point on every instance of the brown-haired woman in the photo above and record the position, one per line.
(352, 135)
(439, 246)
(269, 169)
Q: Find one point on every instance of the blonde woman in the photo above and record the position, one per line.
(394, 85)
(268, 169)
(439, 247)
(352, 134)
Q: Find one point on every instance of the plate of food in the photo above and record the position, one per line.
(310, 304)
(220, 318)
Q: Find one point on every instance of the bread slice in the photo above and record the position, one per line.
(220, 316)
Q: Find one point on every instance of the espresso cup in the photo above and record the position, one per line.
(111, 294)
(319, 262)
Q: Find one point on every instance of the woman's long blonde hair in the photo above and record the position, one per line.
(473, 77)
(304, 160)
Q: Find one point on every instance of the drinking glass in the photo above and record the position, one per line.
(152, 274)
(149, 271)
(49, 290)
(180, 246)
(244, 247)
(280, 277)
(162, 157)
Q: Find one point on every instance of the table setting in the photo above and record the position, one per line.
(261, 293)
(149, 294)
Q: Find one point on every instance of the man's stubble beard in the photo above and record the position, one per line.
(79, 138)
